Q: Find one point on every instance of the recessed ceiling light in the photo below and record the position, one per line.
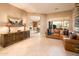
(56, 8)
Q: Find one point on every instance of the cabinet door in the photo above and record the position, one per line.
(20, 36)
(8, 40)
(26, 34)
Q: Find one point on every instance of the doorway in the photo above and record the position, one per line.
(34, 26)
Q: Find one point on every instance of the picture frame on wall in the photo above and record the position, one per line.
(15, 22)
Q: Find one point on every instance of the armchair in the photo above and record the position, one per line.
(72, 44)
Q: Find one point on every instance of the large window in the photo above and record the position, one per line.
(61, 24)
(58, 24)
(66, 24)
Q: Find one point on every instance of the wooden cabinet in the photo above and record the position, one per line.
(11, 38)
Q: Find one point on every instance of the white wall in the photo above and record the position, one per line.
(9, 10)
(43, 25)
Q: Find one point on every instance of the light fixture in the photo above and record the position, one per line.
(56, 8)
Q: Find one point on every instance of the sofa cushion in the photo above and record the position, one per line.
(56, 31)
(73, 36)
(77, 37)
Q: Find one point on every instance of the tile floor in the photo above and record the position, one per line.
(37, 46)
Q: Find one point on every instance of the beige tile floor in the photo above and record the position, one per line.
(37, 46)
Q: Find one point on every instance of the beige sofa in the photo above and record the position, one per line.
(56, 35)
(72, 44)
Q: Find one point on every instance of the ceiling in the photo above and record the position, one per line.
(44, 8)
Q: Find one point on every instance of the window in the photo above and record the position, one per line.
(58, 24)
(66, 24)
(61, 24)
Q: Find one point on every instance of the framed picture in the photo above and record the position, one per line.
(15, 22)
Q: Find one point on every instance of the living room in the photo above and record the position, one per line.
(58, 25)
